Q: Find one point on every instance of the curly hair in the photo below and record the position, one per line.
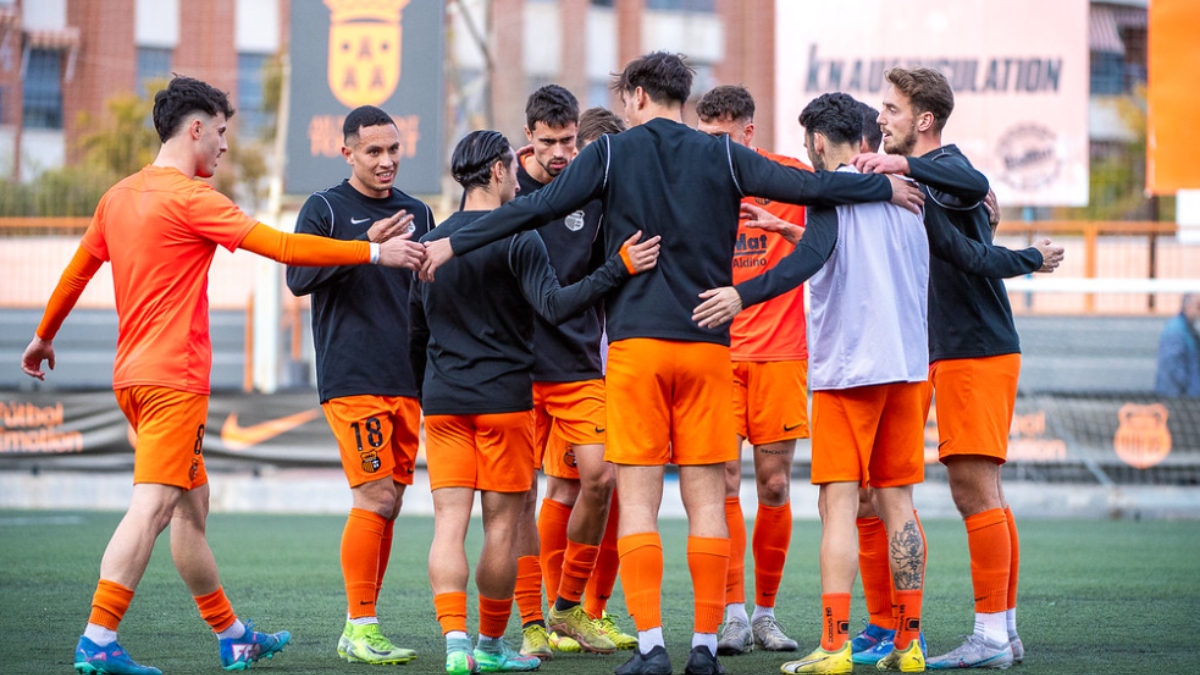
(182, 97)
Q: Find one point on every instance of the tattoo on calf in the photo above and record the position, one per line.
(908, 556)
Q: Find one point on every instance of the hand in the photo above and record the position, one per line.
(643, 256)
(762, 219)
(719, 307)
(401, 251)
(437, 253)
(993, 210)
(392, 226)
(1052, 256)
(31, 361)
(906, 194)
(877, 162)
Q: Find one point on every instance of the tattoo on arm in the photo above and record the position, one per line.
(908, 557)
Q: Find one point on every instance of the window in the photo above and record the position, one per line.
(253, 117)
(153, 63)
(683, 5)
(43, 90)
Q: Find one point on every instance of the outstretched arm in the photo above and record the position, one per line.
(302, 280)
(71, 284)
(316, 251)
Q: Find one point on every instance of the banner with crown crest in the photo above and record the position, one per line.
(385, 53)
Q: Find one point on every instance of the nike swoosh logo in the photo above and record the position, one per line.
(237, 437)
(600, 430)
(794, 426)
(358, 221)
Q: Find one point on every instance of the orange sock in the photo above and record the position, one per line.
(385, 554)
(361, 542)
(552, 535)
(578, 563)
(772, 537)
(451, 609)
(835, 620)
(991, 558)
(1014, 565)
(641, 576)
(216, 610)
(109, 604)
(735, 577)
(604, 574)
(908, 605)
(708, 561)
(493, 616)
(876, 572)
(528, 591)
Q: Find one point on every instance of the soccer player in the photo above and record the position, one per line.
(973, 349)
(370, 403)
(471, 345)
(669, 378)
(770, 402)
(869, 266)
(160, 229)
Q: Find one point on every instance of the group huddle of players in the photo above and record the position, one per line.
(607, 301)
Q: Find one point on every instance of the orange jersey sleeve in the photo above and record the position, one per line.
(307, 250)
(75, 278)
(772, 330)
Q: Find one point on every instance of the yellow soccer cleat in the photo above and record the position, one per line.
(607, 624)
(536, 642)
(908, 660)
(837, 662)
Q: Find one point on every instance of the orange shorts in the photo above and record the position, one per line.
(872, 435)
(770, 400)
(570, 413)
(170, 434)
(493, 452)
(377, 436)
(669, 402)
(975, 400)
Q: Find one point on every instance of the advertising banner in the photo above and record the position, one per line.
(1174, 72)
(1019, 71)
(348, 53)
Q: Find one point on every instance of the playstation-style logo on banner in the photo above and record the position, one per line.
(364, 50)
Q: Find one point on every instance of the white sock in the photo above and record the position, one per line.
(457, 635)
(100, 635)
(649, 639)
(735, 611)
(364, 620)
(1010, 619)
(705, 640)
(490, 644)
(237, 630)
(991, 626)
(759, 610)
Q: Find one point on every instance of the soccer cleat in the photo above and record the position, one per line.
(500, 658)
(111, 659)
(880, 649)
(576, 623)
(367, 645)
(975, 652)
(868, 638)
(836, 662)
(908, 660)
(459, 660)
(736, 638)
(563, 643)
(239, 653)
(344, 639)
(1018, 649)
(654, 663)
(607, 624)
(703, 662)
(769, 635)
(536, 642)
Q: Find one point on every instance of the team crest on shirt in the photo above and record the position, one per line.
(762, 201)
(574, 222)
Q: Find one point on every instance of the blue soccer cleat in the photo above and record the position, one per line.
(239, 653)
(111, 659)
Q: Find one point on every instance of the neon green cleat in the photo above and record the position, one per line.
(576, 623)
(459, 660)
(607, 623)
(500, 658)
(908, 660)
(536, 642)
(366, 644)
(564, 643)
(837, 662)
(344, 639)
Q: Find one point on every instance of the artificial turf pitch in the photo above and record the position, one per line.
(1095, 596)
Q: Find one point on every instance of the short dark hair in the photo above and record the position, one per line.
(836, 116)
(476, 154)
(595, 122)
(927, 89)
(666, 78)
(727, 101)
(553, 106)
(182, 97)
(363, 116)
(871, 132)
